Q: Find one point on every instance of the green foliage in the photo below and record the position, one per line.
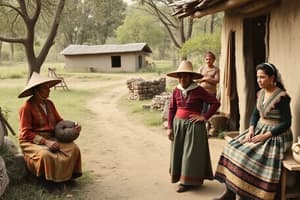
(4, 55)
(163, 66)
(201, 44)
(109, 15)
(145, 29)
(96, 22)
(37, 189)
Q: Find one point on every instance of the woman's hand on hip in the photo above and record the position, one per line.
(170, 134)
(196, 118)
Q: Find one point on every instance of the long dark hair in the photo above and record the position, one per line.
(271, 70)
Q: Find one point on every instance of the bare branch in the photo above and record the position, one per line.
(49, 42)
(12, 40)
(23, 9)
(37, 11)
(172, 24)
(157, 12)
(12, 7)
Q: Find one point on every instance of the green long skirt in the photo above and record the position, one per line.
(190, 158)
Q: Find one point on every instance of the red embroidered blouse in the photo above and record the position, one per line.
(192, 103)
(33, 120)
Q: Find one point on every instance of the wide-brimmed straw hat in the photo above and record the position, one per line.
(35, 80)
(185, 67)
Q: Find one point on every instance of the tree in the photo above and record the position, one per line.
(9, 25)
(109, 15)
(69, 23)
(179, 29)
(209, 23)
(30, 12)
(91, 22)
(146, 29)
(202, 43)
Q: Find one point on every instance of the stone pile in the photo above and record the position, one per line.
(139, 89)
(159, 101)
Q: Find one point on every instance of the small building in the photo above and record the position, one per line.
(253, 31)
(106, 58)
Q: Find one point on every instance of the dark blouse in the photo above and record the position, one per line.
(283, 106)
(193, 102)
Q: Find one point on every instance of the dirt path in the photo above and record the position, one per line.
(129, 160)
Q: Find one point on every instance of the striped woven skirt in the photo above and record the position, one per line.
(190, 159)
(253, 170)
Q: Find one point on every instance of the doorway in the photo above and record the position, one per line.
(140, 61)
(231, 85)
(256, 37)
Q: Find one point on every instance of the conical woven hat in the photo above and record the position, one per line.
(185, 67)
(35, 80)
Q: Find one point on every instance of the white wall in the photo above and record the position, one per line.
(285, 52)
(102, 63)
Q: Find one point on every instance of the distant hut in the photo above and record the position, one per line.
(106, 58)
(253, 31)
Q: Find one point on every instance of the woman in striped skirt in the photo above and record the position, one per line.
(250, 165)
(190, 159)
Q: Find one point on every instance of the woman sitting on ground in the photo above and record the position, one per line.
(43, 153)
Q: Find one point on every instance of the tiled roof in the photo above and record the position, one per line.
(106, 48)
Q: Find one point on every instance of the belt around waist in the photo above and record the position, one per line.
(268, 121)
(184, 113)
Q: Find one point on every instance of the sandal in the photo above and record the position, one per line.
(183, 188)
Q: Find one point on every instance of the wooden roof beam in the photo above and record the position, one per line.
(226, 5)
(257, 6)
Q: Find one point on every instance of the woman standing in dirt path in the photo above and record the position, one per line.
(190, 157)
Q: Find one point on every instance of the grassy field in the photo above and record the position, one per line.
(135, 111)
(13, 78)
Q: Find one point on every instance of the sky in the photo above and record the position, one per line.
(128, 1)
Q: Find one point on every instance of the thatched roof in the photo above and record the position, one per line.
(200, 8)
(105, 49)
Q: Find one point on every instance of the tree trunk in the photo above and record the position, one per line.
(34, 62)
(212, 23)
(12, 51)
(204, 26)
(0, 51)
